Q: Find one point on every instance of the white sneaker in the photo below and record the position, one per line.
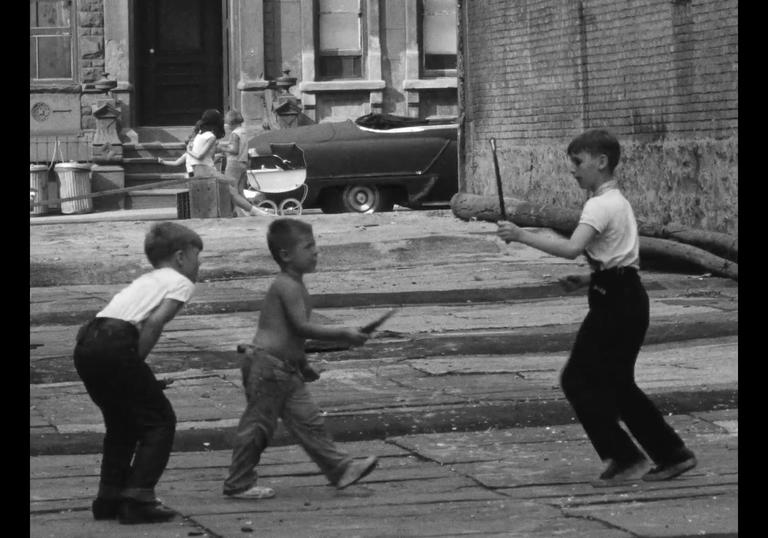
(256, 492)
(356, 470)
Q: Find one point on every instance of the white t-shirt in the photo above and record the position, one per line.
(136, 301)
(242, 155)
(617, 243)
(188, 159)
(199, 142)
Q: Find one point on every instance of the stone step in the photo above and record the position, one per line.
(163, 133)
(140, 178)
(384, 395)
(152, 146)
(154, 198)
(152, 150)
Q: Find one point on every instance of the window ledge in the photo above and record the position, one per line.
(342, 85)
(37, 87)
(252, 85)
(430, 83)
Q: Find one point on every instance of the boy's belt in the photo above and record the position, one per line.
(108, 324)
(250, 349)
(616, 271)
(305, 372)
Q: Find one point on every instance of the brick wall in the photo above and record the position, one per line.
(660, 74)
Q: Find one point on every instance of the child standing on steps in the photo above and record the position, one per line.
(599, 377)
(200, 155)
(272, 372)
(237, 152)
(183, 158)
(110, 358)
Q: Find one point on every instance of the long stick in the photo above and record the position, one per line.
(502, 210)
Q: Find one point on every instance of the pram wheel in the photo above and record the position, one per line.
(269, 206)
(290, 207)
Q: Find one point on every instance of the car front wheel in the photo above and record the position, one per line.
(366, 199)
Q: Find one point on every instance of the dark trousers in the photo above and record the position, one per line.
(139, 420)
(599, 377)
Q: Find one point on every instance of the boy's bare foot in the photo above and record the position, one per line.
(256, 492)
(258, 212)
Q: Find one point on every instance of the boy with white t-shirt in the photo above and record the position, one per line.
(599, 377)
(110, 358)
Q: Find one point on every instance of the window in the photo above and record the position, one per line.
(340, 51)
(438, 37)
(50, 39)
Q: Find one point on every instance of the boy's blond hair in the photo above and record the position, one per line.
(233, 117)
(283, 234)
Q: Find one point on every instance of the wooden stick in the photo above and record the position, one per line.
(502, 210)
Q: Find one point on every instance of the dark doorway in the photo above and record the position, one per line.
(179, 60)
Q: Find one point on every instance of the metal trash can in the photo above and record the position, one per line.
(74, 180)
(38, 180)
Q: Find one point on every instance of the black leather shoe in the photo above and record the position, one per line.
(132, 512)
(309, 374)
(617, 474)
(105, 508)
(670, 470)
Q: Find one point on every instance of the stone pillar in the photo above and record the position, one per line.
(374, 54)
(308, 100)
(248, 39)
(117, 61)
(107, 147)
(411, 58)
(107, 173)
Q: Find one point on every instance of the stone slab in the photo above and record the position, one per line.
(515, 482)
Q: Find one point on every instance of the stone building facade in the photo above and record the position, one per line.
(342, 58)
(660, 74)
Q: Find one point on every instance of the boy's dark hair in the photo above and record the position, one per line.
(213, 121)
(283, 234)
(233, 117)
(597, 142)
(165, 238)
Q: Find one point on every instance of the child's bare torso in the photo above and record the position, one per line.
(276, 334)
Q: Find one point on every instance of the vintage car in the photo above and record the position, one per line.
(366, 165)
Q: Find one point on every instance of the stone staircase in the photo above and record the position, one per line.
(142, 168)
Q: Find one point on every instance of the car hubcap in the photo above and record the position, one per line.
(362, 199)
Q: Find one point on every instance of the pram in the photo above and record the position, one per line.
(280, 180)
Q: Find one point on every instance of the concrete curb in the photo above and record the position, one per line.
(235, 304)
(342, 300)
(407, 421)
